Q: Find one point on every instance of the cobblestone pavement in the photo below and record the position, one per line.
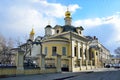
(96, 74)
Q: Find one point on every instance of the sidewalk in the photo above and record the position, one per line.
(56, 76)
(50, 76)
(104, 69)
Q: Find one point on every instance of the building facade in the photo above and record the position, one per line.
(101, 55)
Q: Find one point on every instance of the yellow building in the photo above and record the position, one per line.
(69, 42)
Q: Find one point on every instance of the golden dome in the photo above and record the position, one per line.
(67, 13)
(32, 32)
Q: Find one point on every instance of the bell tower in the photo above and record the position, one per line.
(68, 18)
(32, 33)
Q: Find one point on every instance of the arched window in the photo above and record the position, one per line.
(79, 32)
(57, 31)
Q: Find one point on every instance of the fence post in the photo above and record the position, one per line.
(20, 62)
(58, 63)
(43, 61)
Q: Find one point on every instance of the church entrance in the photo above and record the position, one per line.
(64, 66)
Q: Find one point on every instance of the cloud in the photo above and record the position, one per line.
(73, 8)
(55, 9)
(89, 22)
(94, 22)
(113, 20)
(18, 17)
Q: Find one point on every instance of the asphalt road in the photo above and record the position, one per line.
(107, 75)
(104, 74)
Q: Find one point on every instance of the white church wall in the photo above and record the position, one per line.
(35, 50)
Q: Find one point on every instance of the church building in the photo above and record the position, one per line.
(68, 41)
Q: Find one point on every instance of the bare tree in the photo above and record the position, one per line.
(19, 41)
(5, 49)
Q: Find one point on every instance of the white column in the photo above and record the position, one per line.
(73, 51)
(87, 56)
(87, 52)
(71, 63)
(80, 64)
(84, 52)
(78, 50)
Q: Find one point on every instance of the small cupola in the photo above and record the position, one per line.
(48, 30)
(67, 13)
(32, 33)
(48, 26)
(79, 30)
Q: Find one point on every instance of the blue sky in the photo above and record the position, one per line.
(99, 18)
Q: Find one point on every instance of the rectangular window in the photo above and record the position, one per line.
(54, 51)
(64, 51)
(45, 50)
(92, 54)
(85, 53)
(75, 51)
(96, 54)
(65, 65)
(80, 52)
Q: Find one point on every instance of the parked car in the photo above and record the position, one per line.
(107, 66)
(117, 66)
